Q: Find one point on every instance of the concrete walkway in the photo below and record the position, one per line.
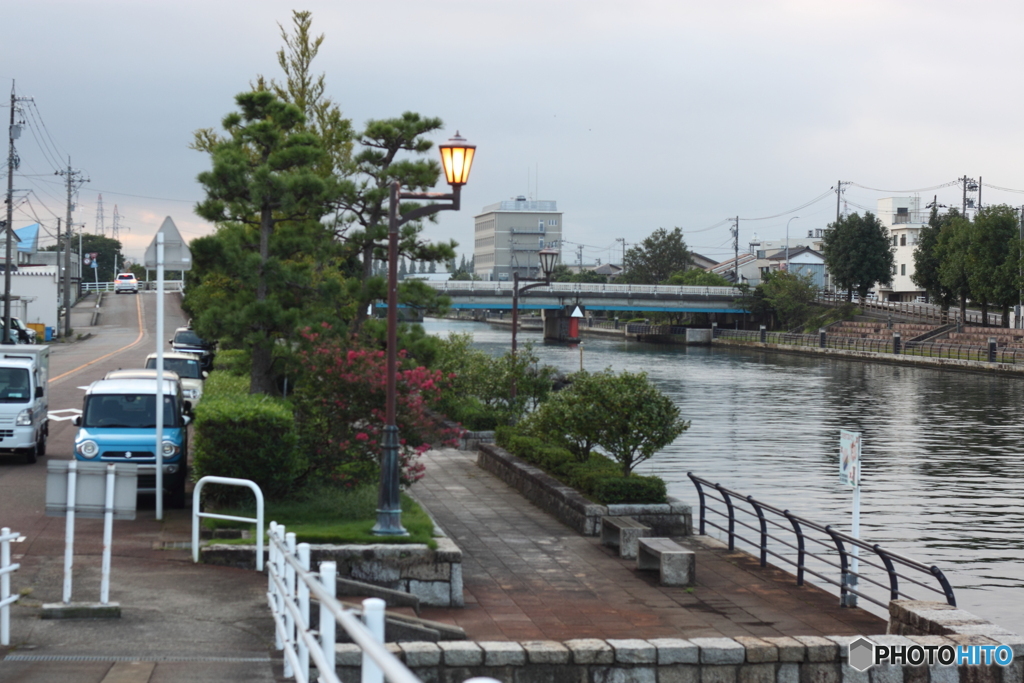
(529, 577)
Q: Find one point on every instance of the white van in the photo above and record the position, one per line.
(24, 400)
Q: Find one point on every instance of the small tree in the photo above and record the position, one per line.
(655, 259)
(858, 253)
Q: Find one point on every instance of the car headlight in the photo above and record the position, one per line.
(170, 449)
(88, 449)
(24, 418)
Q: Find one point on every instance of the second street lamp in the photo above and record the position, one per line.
(457, 160)
(548, 257)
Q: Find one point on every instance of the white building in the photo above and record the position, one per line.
(510, 234)
(904, 219)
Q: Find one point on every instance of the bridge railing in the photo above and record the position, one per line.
(587, 288)
(796, 540)
(915, 309)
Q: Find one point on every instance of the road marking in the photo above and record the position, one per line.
(142, 332)
(129, 672)
(56, 416)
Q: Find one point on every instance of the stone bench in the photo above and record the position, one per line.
(676, 565)
(623, 533)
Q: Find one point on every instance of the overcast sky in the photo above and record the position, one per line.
(633, 116)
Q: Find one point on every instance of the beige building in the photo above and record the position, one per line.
(904, 219)
(510, 234)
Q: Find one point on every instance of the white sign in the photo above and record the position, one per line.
(577, 313)
(849, 458)
(177, 255)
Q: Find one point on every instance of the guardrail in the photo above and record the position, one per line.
(915, 309)
(291, 585)
(6, 569)
(837, 543)
(258, 520)
(501, 286)
(169, 286)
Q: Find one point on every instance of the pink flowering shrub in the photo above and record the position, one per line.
(340, 410)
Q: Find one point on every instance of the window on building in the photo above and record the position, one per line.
(903, 269)
(902, 215)
(894, 240)
(903, 240)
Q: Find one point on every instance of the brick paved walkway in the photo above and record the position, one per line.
(528, 577)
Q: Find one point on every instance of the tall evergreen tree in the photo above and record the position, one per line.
(656, 258)
(927, 263)
(953, 249)
(995, 260)
(264, 174)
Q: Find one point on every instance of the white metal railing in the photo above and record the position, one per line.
(290, 585)
(585, 287)
(169, 286)
(258, 520)
(6, 569)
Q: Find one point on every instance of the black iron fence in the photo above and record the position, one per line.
(800, 538)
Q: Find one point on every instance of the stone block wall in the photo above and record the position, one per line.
(433, 576)
(573, 509)
(797, 659)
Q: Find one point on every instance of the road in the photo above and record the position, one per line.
(180, 622)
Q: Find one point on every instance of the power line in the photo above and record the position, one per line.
(817, 199)
(922, 189)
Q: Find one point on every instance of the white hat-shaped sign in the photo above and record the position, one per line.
(177, 255)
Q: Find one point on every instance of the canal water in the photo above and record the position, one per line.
(943, 461)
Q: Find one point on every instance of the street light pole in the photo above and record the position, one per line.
(547, 264)
(457, 160)
(787, 240)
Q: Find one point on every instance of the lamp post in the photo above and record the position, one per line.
(548, 257)
(787, 240)
(457, 160)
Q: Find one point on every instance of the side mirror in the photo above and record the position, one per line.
(39, 392)
(78, 420)
(170, 341)
(205, 374)
(186, 419)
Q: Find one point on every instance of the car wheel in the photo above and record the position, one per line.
(30, 454)
(41, 447)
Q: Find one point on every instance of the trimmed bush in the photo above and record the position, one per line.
(632, 489)
(246, 436)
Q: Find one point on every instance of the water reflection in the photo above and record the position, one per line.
(943, 474)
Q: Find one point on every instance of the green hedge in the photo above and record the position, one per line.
(599, 477)
(232, 361)
(245, 436)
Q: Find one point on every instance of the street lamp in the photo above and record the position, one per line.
(457, 160)
(787, 240)
(548, 257)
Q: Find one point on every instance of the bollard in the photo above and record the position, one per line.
(373, 617)
(991, 349)
(764, 334)
(821, 337)
(896, 343)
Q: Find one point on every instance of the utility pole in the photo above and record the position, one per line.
(13, 133)
(623, 240)
(963, 210)
(839, 195)
(73, 183)
(736, 251)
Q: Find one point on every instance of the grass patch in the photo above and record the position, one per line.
(327, 515)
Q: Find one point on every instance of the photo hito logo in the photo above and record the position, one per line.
(864, 654)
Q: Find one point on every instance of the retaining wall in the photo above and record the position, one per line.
(798, 659)
(573, 509)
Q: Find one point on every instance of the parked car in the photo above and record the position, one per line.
(189, 368)
(185, 340)
(126, 282)
(118, 424)
(20, 333)
(24, 400)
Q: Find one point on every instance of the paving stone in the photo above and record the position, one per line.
(461, 653)
(421, 654)
(756, 673)
(758, 650)
(679, 673)
(590, 651)
(787, 673)
(848, 674)
(546, 652)
(790, 649)
(675, 651)
(633, 651)
(819, 672)
(639, 674)
(718, 673)
(820, 649)
(502, 653)
(720, 650)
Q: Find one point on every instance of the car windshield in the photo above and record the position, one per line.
(14, 387)
(131, 411)
(125, 277)
(188, 338)
(185, 367)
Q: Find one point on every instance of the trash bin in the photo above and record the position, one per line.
(49, 333)
(39, 328)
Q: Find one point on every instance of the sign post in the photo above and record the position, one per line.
(167, 250)
(849, 475)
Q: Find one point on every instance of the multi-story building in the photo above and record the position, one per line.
(904, 219)
(510, 234)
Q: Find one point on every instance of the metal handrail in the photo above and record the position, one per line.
(258, 520)
(798, 526)
(6, 569)
(291, 585)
